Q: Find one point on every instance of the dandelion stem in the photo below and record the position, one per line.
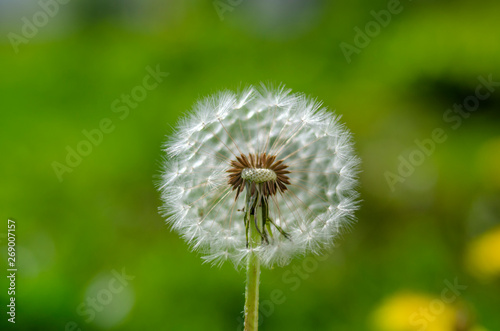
(253, 279)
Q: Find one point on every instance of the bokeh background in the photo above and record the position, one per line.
(63, 65)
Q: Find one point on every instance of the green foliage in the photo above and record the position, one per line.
(103, 215)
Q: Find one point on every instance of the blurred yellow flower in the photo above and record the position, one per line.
(483, 254)
(407, 311)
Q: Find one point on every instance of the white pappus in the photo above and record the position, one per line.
(265, 154)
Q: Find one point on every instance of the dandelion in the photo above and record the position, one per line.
(259, 177)
(413, 311)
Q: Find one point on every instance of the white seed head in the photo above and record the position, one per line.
(319, 200)
(259, 175)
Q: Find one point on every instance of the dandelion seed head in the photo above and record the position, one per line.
(274, 148)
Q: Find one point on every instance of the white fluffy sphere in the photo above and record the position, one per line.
(318, 203)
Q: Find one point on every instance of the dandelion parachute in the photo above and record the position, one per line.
(264, 148)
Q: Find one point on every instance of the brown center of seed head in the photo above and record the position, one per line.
(258, 169)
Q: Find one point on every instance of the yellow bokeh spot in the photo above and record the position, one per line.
(483, 254)
(414, 312)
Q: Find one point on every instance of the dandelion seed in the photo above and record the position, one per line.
(264, 160)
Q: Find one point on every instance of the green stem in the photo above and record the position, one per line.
(252, 287)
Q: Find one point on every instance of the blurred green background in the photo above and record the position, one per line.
(64, 64)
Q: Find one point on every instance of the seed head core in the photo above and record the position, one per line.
(259, 175)
(258, 171)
